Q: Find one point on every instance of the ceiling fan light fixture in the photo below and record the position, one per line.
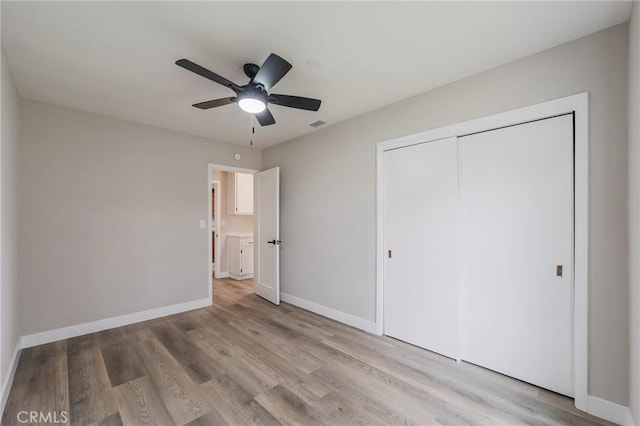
(252, 105)
(252, 100)
(254, 96)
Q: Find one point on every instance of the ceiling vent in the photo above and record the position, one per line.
(318, 123)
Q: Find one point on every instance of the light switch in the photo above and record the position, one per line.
(203, 223)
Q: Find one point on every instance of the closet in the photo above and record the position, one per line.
(478, 233)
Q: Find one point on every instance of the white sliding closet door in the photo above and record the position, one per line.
(516, 229)
(420, 230)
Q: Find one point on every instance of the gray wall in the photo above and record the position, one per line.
(9, 328)
(328, 187)
(634, 210)
(110, 211)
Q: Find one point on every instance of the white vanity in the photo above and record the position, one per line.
(240, 249)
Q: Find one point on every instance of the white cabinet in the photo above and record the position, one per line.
(240, 193)
(240, 249)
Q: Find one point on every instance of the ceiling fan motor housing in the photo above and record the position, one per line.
(250, 70)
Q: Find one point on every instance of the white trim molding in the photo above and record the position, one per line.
(107, 323)
(579, 106)
(11, 372)
(343, 317)
(610, 411)
(215, 185)
(209, 280)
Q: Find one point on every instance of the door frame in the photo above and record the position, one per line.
(210, 168)
(578, 105)
(215, 184)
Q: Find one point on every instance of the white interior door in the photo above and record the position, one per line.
(420, 229)
(516, 229)
(267, 234)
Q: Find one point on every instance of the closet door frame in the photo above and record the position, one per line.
(578, 105)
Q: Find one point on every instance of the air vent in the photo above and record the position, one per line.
(317, 123)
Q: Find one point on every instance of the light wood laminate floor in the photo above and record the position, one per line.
(245, 361)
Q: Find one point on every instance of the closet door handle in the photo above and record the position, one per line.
(274, 242)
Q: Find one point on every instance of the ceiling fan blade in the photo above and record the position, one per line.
(273, 69)
(201, 71)
(265, 118)
(295, 102)
(215, 103)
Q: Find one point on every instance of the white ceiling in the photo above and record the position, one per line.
(117, 58)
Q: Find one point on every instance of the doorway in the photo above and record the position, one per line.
(244, 204)
(232, 228)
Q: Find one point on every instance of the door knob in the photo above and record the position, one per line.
(274, 242)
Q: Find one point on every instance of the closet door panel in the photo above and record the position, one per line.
(420, 230)
(516, 229)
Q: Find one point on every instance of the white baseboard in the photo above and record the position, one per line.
(352, 320)
(8, 381)
(222, 275)
(240, 277)
(105, 324)
(610, 411)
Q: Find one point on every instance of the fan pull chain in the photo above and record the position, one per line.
(253, 129)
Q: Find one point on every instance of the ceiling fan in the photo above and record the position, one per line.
(254, 96)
